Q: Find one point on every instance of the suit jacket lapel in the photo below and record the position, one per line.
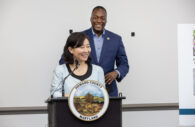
(104, 46)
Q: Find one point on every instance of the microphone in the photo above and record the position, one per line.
(76, 67)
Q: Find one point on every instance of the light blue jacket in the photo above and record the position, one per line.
(61, 72)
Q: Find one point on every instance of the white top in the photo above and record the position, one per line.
(61, 72)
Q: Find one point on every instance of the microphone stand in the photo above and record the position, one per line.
(76, 66)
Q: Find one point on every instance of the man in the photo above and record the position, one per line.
(106, 49)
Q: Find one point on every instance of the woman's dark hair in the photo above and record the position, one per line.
(75, 40)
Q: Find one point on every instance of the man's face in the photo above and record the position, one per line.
(98, 20)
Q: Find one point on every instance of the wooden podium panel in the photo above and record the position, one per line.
(59, 114)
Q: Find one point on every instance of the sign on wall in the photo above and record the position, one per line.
(186, 66)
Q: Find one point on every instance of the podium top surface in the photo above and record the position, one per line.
(66, 98)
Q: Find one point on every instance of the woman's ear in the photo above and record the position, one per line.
(70, 50)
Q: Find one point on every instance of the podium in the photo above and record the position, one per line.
(59, 114)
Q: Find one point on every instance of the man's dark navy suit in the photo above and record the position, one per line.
(112, 51)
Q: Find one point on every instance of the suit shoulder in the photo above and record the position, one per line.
(60, 68)
(112, 34)
(87, 31)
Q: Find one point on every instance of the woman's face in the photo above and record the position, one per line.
(81, 53)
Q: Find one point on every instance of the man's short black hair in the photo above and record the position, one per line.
(99, 7)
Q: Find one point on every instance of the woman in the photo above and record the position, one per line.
(77, 48)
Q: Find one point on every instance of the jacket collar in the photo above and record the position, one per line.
(94, 34)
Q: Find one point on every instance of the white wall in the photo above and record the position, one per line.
(33, 33)
(37, 120)
(151, 119)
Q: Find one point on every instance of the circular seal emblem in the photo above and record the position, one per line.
(88, 100)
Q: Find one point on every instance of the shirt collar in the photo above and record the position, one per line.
(94, 34)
